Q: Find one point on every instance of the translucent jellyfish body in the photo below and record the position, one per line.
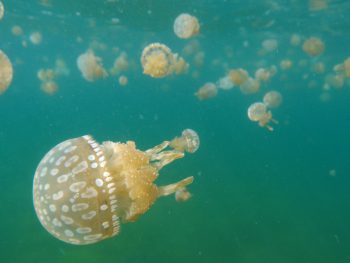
(207, 91)
(6, 72)
(158, 61)
(258, 112)
(83, 190)
(90, 66)
(121, 64)
(250, 86)
(313, 46)
(182, 195)
(238, 76)
(36, 38)
(186, 26)
(2, 10)
(49, 87)
(272, 99)
(187, 142)
(16, 30)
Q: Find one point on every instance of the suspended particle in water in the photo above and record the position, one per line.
(313, 46)
(207, 91)
(186, 26)
(6, 72)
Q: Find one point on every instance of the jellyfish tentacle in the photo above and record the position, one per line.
(172, 188)
(158, 148)
(164, 158)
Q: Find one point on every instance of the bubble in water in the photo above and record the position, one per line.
(186, 26)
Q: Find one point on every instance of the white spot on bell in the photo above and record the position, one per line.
(99, 182)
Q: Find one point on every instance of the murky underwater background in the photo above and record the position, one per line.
(258, 196)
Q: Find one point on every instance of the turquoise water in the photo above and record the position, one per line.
(258, 196)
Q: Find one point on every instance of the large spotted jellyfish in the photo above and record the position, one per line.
(82, 190)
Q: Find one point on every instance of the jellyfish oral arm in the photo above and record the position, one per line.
(172, 188)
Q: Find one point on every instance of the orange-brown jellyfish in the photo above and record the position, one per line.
(90, 66)
(207, 91)
(258, 112)
(82, 189)
(238, 76)
(6, 72)
(313, 46)
(272, 99)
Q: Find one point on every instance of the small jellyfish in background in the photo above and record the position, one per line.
(272, 99)
(238, 76)
(83, 190)
(318, 5)
(335, 80)
(49, 87)
(265, 74)
(343, 68)
(258, 112)
(187, 142)
(46, 74)
(186, 26)
(225, 83)
(295, 40)
(2, 10)
(6, 72)
(123, 80)
(36, 38)
(121, 64)
(182, 195)
(269, 45)
(180, 65)
(16, 30)
(286, 64)
(207, 91)
(61, 68)
(318, 67)
(90, 66)
(313, 46)
(250, 86)
(158, 61)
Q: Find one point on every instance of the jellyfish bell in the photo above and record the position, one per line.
(83, 190)
(272, 99)
(238, 76)
(157, 60)
(182, 195)
(258, 112)
(207, 91)
(6, 72)
(186, 26)
(188, 142)
(90, 66)
(313, 46)
(250, 86)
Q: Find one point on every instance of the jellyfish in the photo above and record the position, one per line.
(187, 142)
(269, 45)
(182, 195)
(90, 66)
(83, 190)
(46, 74)
(286, 64)
(207, 91)
(186, 26)
(295, 40)
(317, 5)
(313, 46)
(265, 74)
(258, 112)
(16, 30)
(121, 64)
(36, 38)
(180, 66)
(123, 80)
(6, 72)
(225, 83)
(318, 67)
(49, 87)
(61, 68)
(2, 10)
(250, 86)
(238, 76)
(272, 99)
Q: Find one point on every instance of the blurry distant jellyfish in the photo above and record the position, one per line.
(258, 112)
(6, 72)
(90, 66)
(207, 91)
(318, 67)
(49, 87)
(318, 5)
(188, 142)
(347, 67)
(286, 64)
(269, 45)
(123, 80)
(238, 76)
(272, 99)
(61, 68)
(182, 195)
(16, 30)
(121, 64)
(225, 83)
(35, 38)
(250, 86)
(46, 74)
(264, 74)
(335, 80)
(295, 40)
(83, 190)
(186, 26)
(180, 66)
(157, 60)
(313, 46)
(2, 10)
(199, 59)
(343, 68)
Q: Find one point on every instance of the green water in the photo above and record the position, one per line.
(258, 196)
